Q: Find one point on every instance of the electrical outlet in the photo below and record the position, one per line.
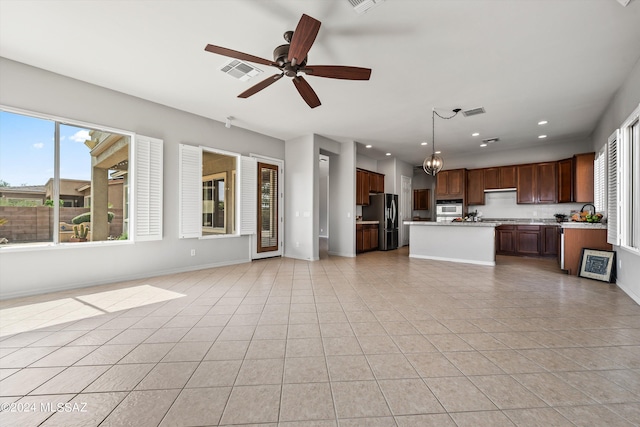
(193, 252)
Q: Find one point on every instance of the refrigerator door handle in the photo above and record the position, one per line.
(393, 211)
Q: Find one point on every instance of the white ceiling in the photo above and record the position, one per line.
(522, 60)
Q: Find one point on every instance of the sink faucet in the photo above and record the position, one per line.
(589, 204)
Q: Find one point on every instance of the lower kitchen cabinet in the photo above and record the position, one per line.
(527, 240)
(576, 239)
(366, 237)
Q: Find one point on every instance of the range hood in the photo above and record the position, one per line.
(500, 190)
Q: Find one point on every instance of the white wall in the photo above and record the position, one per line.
(301, 201)
(502, 157)
(622, 105)
(33, 271)
(342, 190)
(323, 200)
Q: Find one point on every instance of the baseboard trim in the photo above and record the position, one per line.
(463, 261)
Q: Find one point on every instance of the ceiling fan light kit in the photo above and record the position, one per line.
(291, 59)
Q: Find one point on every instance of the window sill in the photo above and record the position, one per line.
(32, 247)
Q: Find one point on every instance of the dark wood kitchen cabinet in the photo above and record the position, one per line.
(366, 237)
(583, 177)
(475, 187)
(527, 240)
(421, 199)
(505, 240)
(565, 181)
(451, 184)
(549, 240)
(537, 183)
(362, 187)
(499, 177)
(367, 182)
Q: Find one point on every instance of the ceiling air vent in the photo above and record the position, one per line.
(473, 111)
(490, 140)
(362, 6)
(240, 70)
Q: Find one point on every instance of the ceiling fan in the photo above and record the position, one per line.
(291, 59)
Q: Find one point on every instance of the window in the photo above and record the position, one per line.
(209, 194)
(624, 184)
(58, 179)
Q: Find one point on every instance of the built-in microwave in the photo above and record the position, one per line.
(449, 208)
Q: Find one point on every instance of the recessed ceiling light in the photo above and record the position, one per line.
(368, 145)
(475, 134)
(388, 154)
(542, 136)
(483, 145)
(542, 122)
(438, 152)
(423, 143)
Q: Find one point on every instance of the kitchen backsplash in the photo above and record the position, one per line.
(503, 205)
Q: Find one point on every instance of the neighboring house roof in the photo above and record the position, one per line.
(36, 189)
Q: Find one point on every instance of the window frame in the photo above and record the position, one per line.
(55, 243)
(628, 181)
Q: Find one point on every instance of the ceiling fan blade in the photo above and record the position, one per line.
(263, 84)
(303, 37)
(338, 72)
(238, 55)
(306, 92)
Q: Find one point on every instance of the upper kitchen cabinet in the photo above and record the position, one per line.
(575, 179)
(565, 181)
(500, 177)
(583, 177)
(362, 187)
(451, 184)
(475, 186)
(537, 183)
(421, 199)
(367, 182)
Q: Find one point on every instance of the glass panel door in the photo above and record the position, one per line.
(267, 207)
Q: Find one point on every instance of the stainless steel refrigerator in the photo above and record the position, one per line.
(384, 209)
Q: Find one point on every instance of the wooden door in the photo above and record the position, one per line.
(583, 185)
(507, 177)
(526, 188)
(491, 178)
(505, 240)
(549, 236)
(268, 218)
(565, 181)
(442, 184)
(547, 182)
(528, 240)
(456, 183)
(475, 187)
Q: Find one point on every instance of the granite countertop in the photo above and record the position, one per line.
(591, 225)
(360, 221)
(454, 223)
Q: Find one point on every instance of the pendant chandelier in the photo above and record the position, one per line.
(433, 163)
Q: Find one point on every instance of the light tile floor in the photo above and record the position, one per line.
(379, 340)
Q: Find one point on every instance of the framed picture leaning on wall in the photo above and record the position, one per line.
(597, 264)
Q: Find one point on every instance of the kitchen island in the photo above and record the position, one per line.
(465, 242)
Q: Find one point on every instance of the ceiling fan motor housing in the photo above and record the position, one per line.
(280, 57)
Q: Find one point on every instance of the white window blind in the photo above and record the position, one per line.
(190, 191)
(148, 188)
(613, 234)
(248, 195)
(599, 180)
